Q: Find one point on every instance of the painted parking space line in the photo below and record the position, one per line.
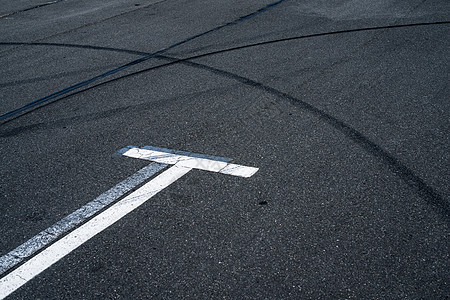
(182, 164)
(76, 238)
(47, 236)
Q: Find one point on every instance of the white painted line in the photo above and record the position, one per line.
(238, 170)
(190, 161)
(185, 153)
(47, 236)
(156, 156)
(74, 239)
(201, 164)
(182, 162)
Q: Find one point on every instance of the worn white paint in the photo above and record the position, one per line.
(191, 162)
(77, 237)
(182, 163)
(47, 236)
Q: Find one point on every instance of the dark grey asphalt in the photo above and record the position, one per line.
(349, 130)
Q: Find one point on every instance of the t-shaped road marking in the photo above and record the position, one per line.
(193, 161)
(182, 163)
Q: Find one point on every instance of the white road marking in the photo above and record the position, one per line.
(182, 162)
(47, 236)
(191, 162)
(74, 239)
(238, 170)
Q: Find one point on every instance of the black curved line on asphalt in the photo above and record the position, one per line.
(45, 78)
(30, 8)
(89, 47)
(152, 55)
(134, 62)
(272, 42)
(415, 182)
(76, 46)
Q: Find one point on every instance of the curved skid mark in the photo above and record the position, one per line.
(132, 63)
(360, 139)
(25, 109)
(415, 182)
(31, 8)
(76, 46)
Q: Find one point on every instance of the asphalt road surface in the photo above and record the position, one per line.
(342, 106)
